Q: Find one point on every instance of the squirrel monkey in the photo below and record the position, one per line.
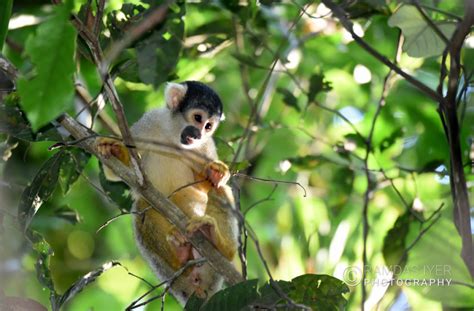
(188, 121)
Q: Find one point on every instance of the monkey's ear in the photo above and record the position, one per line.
(174, 94)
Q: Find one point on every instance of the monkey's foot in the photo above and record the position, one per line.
(108, 147)
(217, 173)
(181, 246)
(206, 225)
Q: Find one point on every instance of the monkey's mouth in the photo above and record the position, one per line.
(188, 140)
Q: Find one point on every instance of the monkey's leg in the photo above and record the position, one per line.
(226, 221)
(208, 226)
(157, 236)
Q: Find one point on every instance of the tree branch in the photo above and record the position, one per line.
(462, 216)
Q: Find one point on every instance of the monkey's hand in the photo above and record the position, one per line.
(108, 147)
(217, 173)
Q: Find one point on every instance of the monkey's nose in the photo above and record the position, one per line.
(189, 134)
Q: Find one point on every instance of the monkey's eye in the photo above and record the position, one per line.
(198, 118)
(208, 126)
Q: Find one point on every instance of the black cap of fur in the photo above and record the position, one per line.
(199, 95)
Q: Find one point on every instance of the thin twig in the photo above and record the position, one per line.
(273, 181)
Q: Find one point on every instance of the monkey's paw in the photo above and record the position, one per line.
(217, 173)
(108, 147)
(204, 224)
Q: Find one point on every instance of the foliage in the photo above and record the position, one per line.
(305, 105)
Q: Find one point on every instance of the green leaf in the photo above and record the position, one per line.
(435, 257)
(317, 84)
(320, 292)
(308, 162)
(224, 149)
(71, 168)
(40, 189)
(246, 60)
(83, 282)
(13, 122)
(268, 295)
(159, 53)
(51, 50)
(288, 98)
(420, 38)
(357, 139)
(233, 298)
(44, 252)
(68, 214)
(394, 243)
(240, 166)
(390, 140)
(194, 303)
(5, 12)
(118, 192)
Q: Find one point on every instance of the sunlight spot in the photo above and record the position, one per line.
(469, 42)
(472, 220)
(358, 30)
(324, 227)
(284, 166)
(338, 242)
(381, 284)
(120, 16)
(362, 74)
(322, 10)
(417, 205)
(350, 145)
(350, 113)
(202, 48)
(253, 93)
(410, 141)
(294, 59)
(442, 177)
(23, 20)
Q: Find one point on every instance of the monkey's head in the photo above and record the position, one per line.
(196, 110)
